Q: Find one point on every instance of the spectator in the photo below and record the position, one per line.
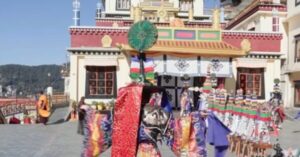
(14, 120)
(27, 119)
(81, 115)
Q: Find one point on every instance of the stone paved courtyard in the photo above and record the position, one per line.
(60, 139)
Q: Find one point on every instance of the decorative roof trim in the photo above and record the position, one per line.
(196, 48)
(251, 35)
(258, 13)
(253, 8)
(97, 30)
(262, 56)
(188, 24)
(114, 19)
(98, 27)
(94, 51)
(225, 33)
(266, 53)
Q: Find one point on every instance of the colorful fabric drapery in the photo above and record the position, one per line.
(97, 133)
(197, 143)
(148, 150)
(217, 135)
(148, 68)
(126, 121)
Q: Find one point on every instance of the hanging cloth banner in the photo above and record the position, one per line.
(180, 66)
(148, 68)
(193, 66)
(159, 64)
(220, 66)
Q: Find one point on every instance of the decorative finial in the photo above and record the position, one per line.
(191, 14)
(99, 10)
(76, 10)
(216, 19)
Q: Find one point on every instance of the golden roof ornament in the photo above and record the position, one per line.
(176, 22)
(132, 12)
(191, 14)
(106, 41)
(137, 14)
(216, 19)
(246, 45)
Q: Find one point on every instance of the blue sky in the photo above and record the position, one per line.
(35, 32)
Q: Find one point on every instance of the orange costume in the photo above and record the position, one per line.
(43, 109)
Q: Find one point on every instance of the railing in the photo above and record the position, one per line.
(58, 99)
(10, 107)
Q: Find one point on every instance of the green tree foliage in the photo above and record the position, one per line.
(31, 79)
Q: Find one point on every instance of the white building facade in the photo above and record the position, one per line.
(262, 16)
(292, 69)
(122, 7)
(99, 66)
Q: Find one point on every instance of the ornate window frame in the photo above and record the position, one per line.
(105, 71)
(185, 11)
(123, 9)
(262, 80)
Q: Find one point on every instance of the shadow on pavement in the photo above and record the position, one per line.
(57, 122)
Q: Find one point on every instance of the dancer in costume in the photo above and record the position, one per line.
(43, 108)
(244, 116)
(235, 139)
(236, 112)
(97, 131)
(249, 134)
(154, 120)
(251, 129)
(222, 105)
(264, 119)
(197, 146)
(229, 112)
(185, 102)
(252, 119)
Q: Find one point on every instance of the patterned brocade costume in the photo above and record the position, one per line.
(138, 126)
(97, 133)
(126, 121)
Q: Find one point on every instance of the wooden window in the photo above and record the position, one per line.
(297, 93)
(123, 4)
(251, 80)
(101, 82)
(297, 48)
(275, 24)
(185, 5)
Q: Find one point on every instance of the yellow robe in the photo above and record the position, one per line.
(43, 101)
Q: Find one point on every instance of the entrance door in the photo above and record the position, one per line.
(174, 86)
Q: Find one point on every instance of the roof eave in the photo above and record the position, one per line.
(187, 52)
